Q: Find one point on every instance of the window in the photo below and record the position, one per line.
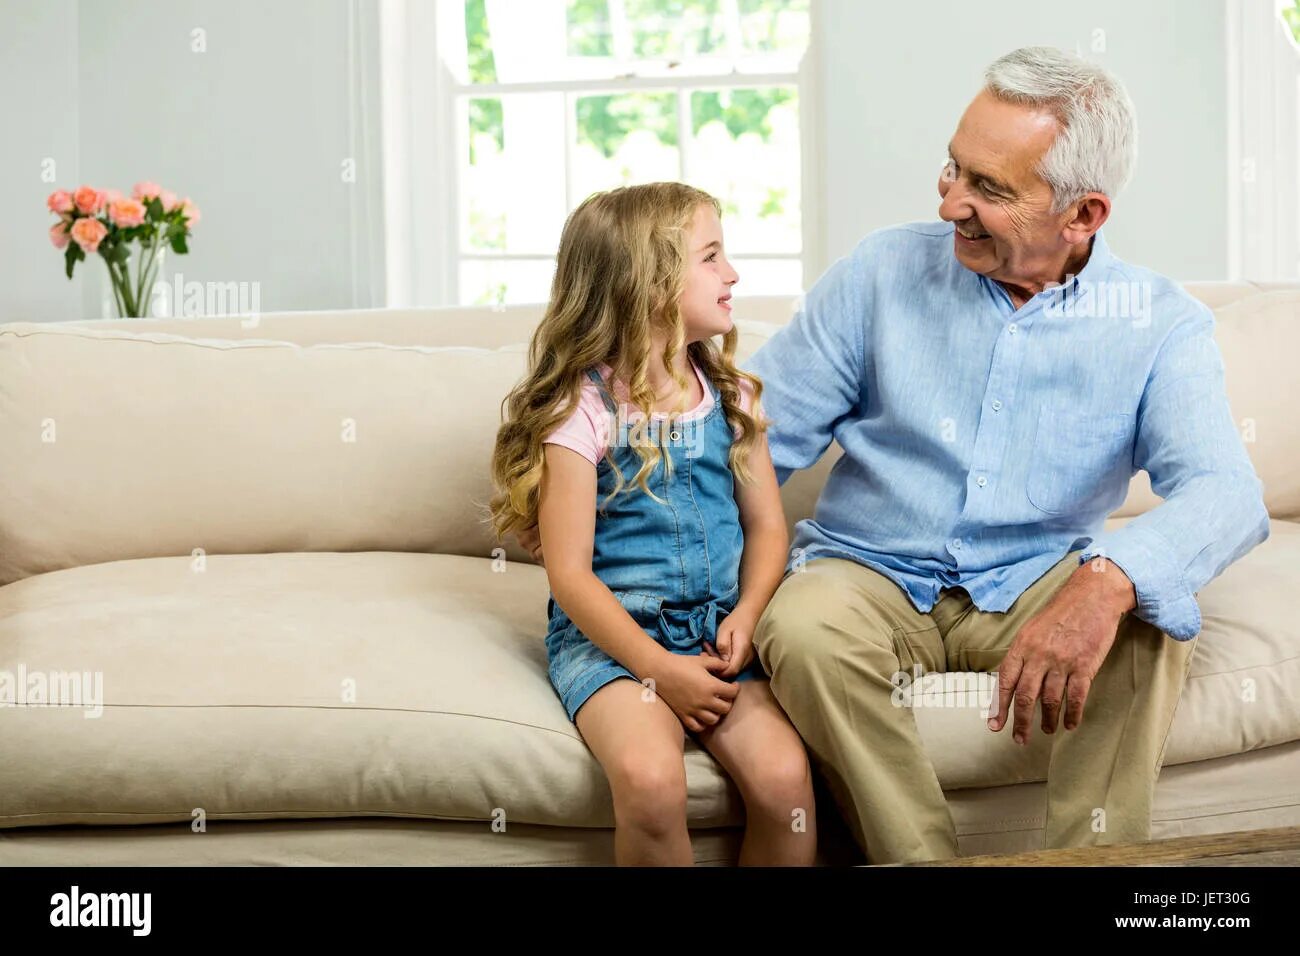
(552, 100)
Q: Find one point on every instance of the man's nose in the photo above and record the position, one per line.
(953, 204)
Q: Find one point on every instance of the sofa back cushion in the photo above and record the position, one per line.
(131, 445)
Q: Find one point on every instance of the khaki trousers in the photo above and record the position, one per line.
(836, 633)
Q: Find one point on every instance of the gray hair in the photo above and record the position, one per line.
(1096, 147)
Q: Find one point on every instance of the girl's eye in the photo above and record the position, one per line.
(712, 256)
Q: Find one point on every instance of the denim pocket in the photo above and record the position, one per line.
(1077, 457)
(644, 608)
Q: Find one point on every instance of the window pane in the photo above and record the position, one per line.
(624, 139)
(589, 28)
(745, 151)
(766, 277)
(505, 282)
(770, 26)
(510, 41)
(515, 150)
(663, 29)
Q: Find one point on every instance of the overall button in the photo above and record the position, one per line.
(675, 435)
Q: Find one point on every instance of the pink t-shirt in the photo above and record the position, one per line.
(586, 430)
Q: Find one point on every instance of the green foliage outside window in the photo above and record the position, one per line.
(661, 29)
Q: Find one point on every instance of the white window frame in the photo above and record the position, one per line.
(1263, 143)
(425, 125)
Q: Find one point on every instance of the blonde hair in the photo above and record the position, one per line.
(619, 276)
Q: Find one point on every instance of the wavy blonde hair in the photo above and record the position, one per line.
(619, 277)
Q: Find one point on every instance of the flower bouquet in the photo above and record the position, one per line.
(104, 221)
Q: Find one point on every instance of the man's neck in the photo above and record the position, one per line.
(1076, 258)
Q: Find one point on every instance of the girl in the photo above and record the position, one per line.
(657, 582)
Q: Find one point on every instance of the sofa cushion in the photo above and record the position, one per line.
(149, 445)
(141, 445)
(302, 685)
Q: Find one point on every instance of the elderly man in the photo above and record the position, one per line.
(995, 380)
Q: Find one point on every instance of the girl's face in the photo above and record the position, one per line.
(706, 299)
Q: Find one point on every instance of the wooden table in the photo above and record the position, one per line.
(1277, 847)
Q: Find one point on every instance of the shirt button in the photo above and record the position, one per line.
(981, 481)
(956, 544)
(1012, 328)
(997, 405)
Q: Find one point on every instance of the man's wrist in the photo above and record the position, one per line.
(1107, 579)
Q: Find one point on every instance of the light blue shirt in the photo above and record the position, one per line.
(982, 443)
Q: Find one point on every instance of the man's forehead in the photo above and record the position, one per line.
(1005, 140)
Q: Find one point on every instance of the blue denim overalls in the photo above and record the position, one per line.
(674, 567)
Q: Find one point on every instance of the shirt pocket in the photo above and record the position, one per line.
(1078, 456)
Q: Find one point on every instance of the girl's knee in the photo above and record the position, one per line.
(649, 793)
(782, 785)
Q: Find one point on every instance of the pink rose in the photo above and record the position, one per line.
(89, 233)
(145, 190)
(60, 201)
(125, 213)
(59, 234)
(88, 200)
(168, 200)
(110, 195)
(190, 211)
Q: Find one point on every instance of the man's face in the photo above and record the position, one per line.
(990, 190)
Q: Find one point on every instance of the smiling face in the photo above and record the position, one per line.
(1000, 205)
(706, 299)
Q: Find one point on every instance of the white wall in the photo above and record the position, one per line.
(38, 110)
(255, 129)
(896, 77)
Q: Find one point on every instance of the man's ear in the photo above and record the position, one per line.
(1090, 214)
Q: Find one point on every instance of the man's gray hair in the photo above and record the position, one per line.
(1096, 146)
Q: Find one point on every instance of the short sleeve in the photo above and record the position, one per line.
(746, 402)
(586, 430)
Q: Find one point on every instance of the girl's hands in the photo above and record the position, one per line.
(735, 641)
(687, 683)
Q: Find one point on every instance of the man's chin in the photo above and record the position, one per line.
(973, 259)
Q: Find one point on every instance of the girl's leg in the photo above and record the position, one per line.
(765, 756)
(639, 743)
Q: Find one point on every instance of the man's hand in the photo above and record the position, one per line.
(1059, 650)
(530, 539)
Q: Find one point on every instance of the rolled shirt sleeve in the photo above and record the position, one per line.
(1213, 510)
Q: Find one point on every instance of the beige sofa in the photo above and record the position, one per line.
(266, 540)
